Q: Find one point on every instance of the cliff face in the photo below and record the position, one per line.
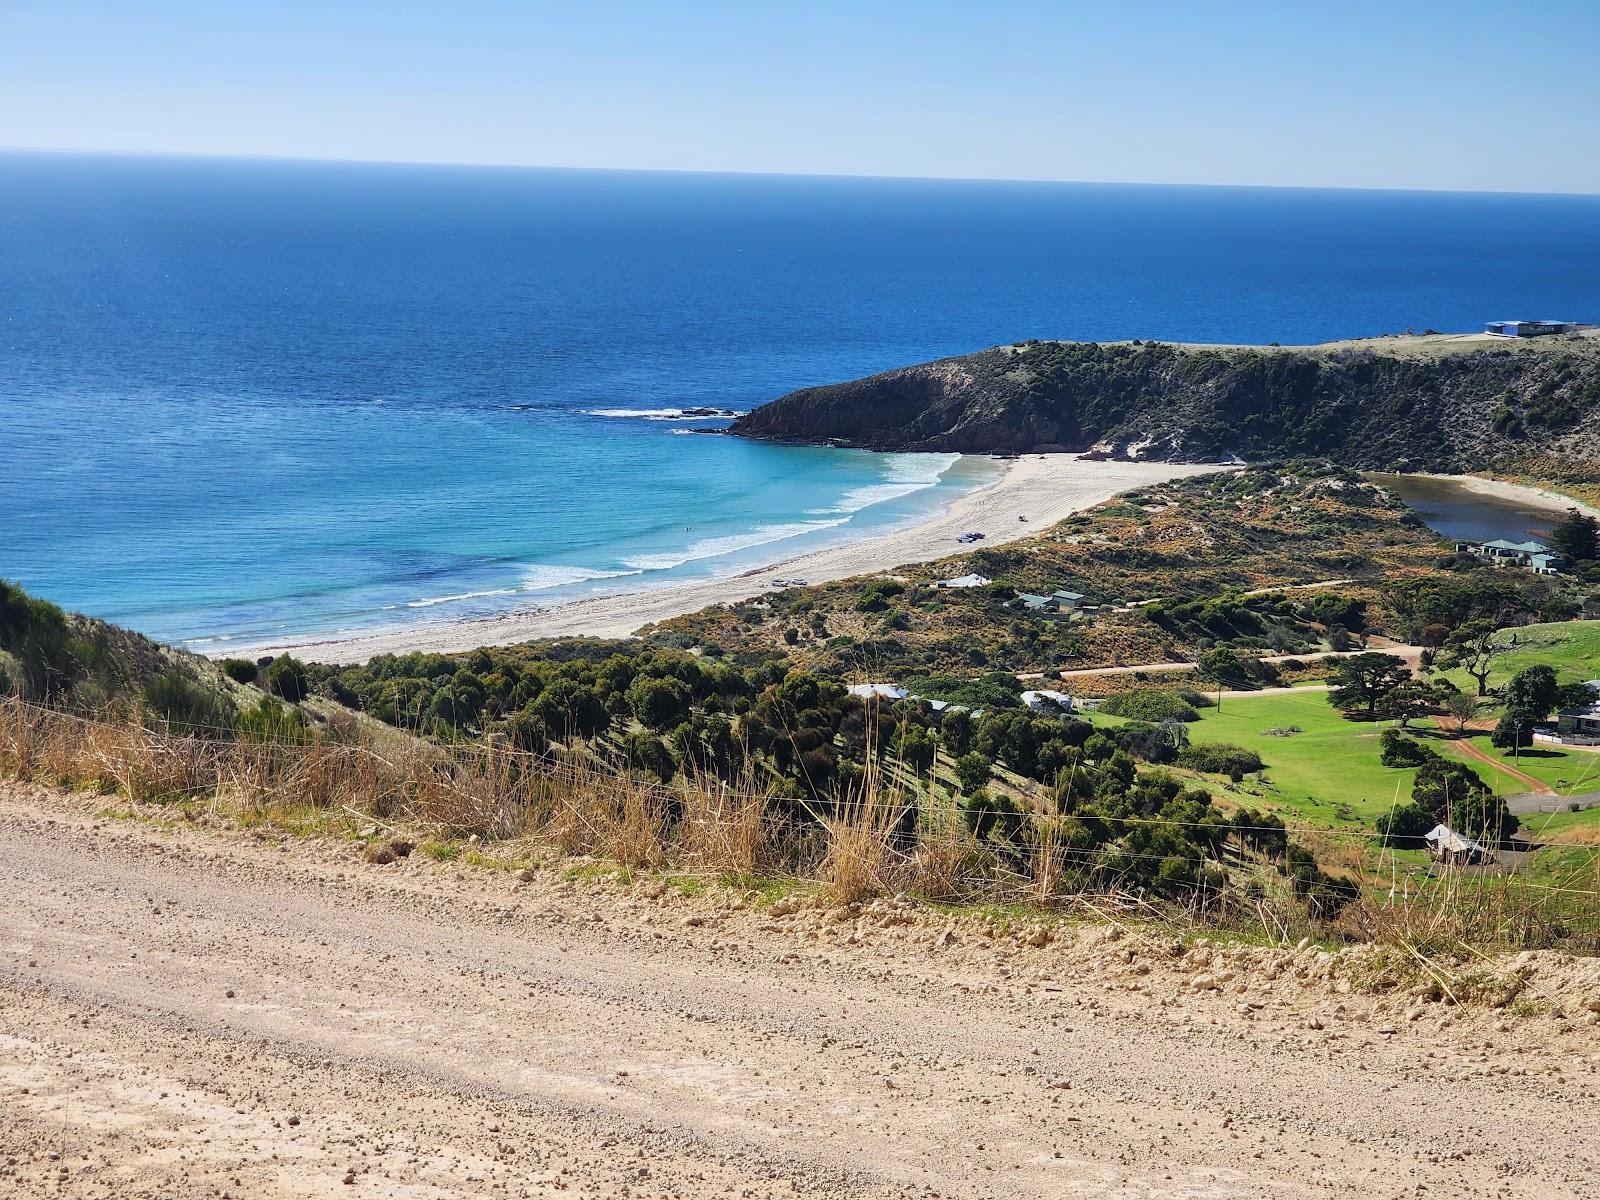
(1416, 403)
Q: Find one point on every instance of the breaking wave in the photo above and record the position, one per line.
(731, 543)
(665, 414)
(905, 474)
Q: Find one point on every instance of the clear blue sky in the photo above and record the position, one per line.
(1405, 93)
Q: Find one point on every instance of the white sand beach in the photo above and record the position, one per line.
(1519, 493)
(1043, 488)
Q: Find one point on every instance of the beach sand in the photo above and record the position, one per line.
(1043, 488)
(1519, 493)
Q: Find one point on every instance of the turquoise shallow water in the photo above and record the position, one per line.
(256, 400)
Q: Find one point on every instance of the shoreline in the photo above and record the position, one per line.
(1520, 493)
(1043, 488)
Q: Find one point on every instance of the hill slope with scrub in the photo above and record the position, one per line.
(1427, 403)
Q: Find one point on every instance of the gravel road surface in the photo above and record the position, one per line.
(200, 1012)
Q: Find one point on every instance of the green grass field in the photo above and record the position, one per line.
(1571, 647)
(1328, 772)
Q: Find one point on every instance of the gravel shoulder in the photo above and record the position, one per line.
(193, 1011)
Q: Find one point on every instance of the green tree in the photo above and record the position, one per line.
(1473, 648)
(1362, 682)
(649, 755)
(1514, 731)
(1577, 536)
(1533, 692)
(1409, 701)
(660, 703)
(1462, 707)
(972, 771)
(1453, 794)
(1405, 826)
(527, 732)
(956, 731)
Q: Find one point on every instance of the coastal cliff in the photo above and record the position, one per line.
(1433, 402)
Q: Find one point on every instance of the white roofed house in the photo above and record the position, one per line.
(882, 691)
(963, 581)
(1045, 700)
(1445, 845)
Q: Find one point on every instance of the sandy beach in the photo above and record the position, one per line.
(1043, 488)
(1520, 493)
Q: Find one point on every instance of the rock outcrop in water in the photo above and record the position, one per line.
(1418, 403)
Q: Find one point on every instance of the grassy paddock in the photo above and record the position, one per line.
(1571, 647)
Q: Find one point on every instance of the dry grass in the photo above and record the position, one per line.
(863, 845)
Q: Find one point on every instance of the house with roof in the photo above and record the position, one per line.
(963, 581)
(1044, 700)
(1534, 556)
(1445, 845)
(879, 691)
(1059, 600)
(1523, 329)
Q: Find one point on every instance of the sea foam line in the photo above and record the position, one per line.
(708, 413)
(905, 474)
(729, 544)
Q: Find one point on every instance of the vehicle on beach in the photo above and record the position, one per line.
(970, 536)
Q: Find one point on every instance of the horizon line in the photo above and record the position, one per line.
(66, 151)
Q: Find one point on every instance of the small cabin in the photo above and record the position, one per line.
(1445, 845)
(963, 581)
(1525, 329)
(1045, 700)
(1057, 601)
(880, 691)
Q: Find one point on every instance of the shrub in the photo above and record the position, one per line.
(286, 677)
(240, 670)
(186, 705)
(876, 595)
(1150, 704)
(1221, 759)
(1395, 749)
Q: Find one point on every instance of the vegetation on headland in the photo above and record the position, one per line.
(1421, 404)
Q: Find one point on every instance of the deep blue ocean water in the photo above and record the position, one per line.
(247, 400)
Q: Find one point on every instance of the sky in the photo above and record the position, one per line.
(1463, 95)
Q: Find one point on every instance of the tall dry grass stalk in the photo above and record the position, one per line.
(893, 831)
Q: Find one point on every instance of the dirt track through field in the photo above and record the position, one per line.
(190, 1014)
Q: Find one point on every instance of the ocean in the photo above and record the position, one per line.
(246, 401)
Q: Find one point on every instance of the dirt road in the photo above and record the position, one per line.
(190, 1013)
(1466, 747)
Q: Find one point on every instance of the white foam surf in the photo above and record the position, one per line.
(903, 475)
(707, 413)
(732, 543)
(537, 577)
